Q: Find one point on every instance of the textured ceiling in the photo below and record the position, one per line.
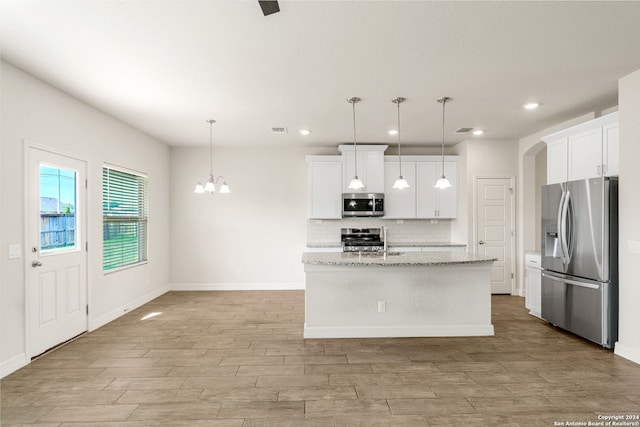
(165, 67)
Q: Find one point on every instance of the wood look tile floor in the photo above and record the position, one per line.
(239, 359)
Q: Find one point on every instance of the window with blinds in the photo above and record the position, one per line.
(124, 218)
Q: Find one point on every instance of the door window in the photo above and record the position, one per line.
(58, 231)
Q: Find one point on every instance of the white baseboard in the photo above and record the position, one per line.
(630, 353)
(397, 331)
(250, 286)
(13, 364)
(114, 314)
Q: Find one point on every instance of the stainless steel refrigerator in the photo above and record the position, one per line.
(580, 258)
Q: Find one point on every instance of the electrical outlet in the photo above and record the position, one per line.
(382, 306)
(434, 221)
(318, 221)
(400, 221)
(633, 246)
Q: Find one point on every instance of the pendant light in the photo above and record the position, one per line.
(210, 186)
(400, 183)
(356, 183)
(443, 182)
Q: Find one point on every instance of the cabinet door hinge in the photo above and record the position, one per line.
(86, 183)
(512, 275)
(87, 309)
(86, 246)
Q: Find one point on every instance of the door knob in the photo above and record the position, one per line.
(481, 242)
(35, 264)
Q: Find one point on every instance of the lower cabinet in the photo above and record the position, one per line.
(533, 282)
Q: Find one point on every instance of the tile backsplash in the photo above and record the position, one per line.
(411, 230)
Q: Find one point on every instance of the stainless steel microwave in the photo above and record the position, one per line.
(362, 204)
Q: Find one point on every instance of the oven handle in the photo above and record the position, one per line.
(570, 282)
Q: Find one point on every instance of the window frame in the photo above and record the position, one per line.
(142, 219)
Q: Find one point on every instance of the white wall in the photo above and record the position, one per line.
(38, 112)
(252, 238)
(540, 179)
(629, 206)
(527, 227)
(483, 158)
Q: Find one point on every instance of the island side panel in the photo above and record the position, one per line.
(451, 300)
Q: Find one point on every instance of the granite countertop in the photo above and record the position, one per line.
(394, 259)
(391, 244)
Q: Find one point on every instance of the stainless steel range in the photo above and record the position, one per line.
(362, 239)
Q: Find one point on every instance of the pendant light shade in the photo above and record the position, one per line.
(356, 183)
(443, 182)
(400, 183)
(210, 185)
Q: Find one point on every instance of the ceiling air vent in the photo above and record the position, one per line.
(464, 130)
(282, 130)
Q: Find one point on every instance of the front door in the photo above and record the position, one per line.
(494, 229)
(57, 257)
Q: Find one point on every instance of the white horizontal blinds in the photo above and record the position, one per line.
(125, 214)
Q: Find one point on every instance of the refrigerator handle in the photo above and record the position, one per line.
(568, 226)
(559, 226)
(570, 282)
(564, 235)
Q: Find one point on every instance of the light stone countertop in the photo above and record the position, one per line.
(392, 244)
(394, 259)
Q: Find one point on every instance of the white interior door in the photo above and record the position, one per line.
(494, 229)
(57, 257)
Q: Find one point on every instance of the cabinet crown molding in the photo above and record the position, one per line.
(342, 148)
(590, 124)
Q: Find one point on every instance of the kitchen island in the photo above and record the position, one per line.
(410, 294)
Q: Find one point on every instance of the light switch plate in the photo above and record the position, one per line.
(15, 251)
(634, 246)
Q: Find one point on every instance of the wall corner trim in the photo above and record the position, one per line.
(240, 286)
(16, 362)
(629, 353)
(124, 309)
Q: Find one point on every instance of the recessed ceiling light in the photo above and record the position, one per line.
(478, 132)
(531, 105)
(305, 131)
(393, 132)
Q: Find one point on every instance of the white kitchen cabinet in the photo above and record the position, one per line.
(611, 149)
(399, 203)
(325, 187)
(370, 167)
(557, 160)
(433, 202)
(585, 154)
(587, 150)
(533, 280)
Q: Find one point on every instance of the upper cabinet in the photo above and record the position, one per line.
(557, 160)
(435, 202)
(588, 150)
(328, 177)
(370, 167)
(399, 204)
(611, 149)
(325, 187)
(421, 199)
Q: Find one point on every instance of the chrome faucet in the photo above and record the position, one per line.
(383, 229)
